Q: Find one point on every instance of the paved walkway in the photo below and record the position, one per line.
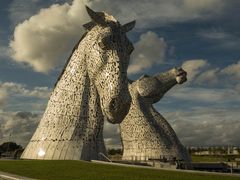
(166, 169)
(8, 176)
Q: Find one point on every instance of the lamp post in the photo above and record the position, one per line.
(9, 140)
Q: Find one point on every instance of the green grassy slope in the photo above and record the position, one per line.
(85, 170)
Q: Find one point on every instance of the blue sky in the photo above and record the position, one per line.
(203, 36)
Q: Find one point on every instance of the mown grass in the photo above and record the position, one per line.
(85, 170)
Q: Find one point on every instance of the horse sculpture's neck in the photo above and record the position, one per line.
(73, 114)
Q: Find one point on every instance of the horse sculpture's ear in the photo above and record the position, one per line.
(97, 17)
(129, 26)
(89, 26)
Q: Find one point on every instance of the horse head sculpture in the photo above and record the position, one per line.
(108, 59)
(145, 133)
(93, 86)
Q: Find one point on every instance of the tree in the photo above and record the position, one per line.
(9, 146)
(114, 151)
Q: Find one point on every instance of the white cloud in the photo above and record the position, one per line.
(16, 96)
(215, 34)
(157, 12)
(111, 135)
(194, 67)
(204, 95)
(203, 80)
(20, 125)
(21, 10)
(232, 70)
(200, 126)
(16, 89)
(46, 38)
(237, 88)
(206, 126)
(200, 72)
(3, 97)
(220, 38)
(208, 77)
(4, 52)
(149, 51)
(44, 41)
(203, 5)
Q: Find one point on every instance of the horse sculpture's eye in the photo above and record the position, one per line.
(102, 45)
(105, 43)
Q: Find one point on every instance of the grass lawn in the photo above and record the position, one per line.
(85, 170)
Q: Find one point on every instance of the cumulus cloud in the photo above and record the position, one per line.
(205, 95)
(18, 126)
(200, 72)
(237, 88)
(3, 97)
(208, 77)
(44, 40)
(149, 51)
(232, 70)
(194, 67)
(202, 88)
(203, 5)
(21, 10)
(16, 89)
(111, 135)
(220, 38)
(206, 126)
(4, 51)
(158, 12)
(19, 97)
(216, 34)
(199, 126)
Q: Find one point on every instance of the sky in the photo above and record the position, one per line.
(203, 37)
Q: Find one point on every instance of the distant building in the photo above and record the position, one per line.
(214, 150)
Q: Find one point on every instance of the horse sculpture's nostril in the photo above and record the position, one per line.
(113, 105)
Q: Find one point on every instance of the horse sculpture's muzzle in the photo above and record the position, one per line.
(118, 108)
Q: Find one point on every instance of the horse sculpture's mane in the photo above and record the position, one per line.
(69, 58)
